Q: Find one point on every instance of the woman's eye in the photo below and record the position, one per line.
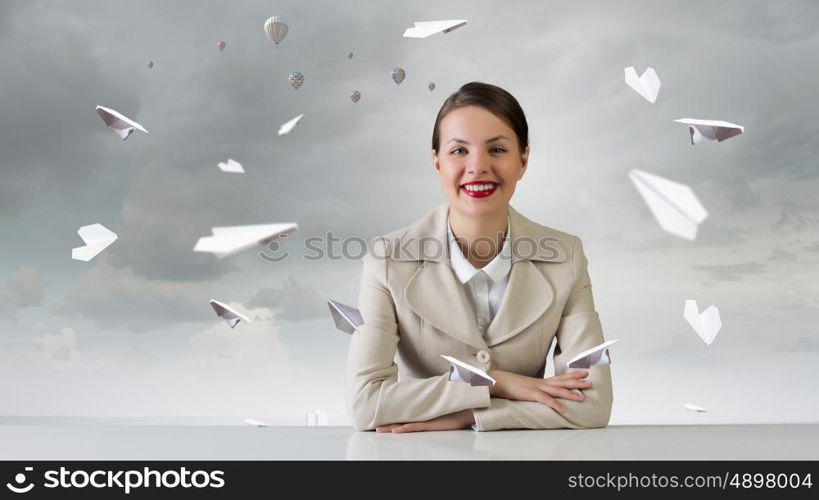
(456, 150)
(498, 150)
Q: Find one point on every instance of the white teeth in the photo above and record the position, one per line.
(479, 187)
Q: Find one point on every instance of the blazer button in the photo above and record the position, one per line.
(483, 356)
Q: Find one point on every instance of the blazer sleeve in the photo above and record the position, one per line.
(579, 329)
(374, 394)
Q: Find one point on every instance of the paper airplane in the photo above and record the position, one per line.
(287, 127)
(427, 28)
(710, 130)
(232, 239)
(647, 85)
(689, 406)
(253, 421)
(121, 124)
(346, 318)
(462, 372)
(232, 166)
(707, 324)
(97, 238)
(598, 355)
(227, 313)
(674, 205)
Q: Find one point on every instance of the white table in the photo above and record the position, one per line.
(142, 442)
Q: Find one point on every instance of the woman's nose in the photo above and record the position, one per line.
(478, 163)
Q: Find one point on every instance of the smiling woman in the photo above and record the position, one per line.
(496, 293)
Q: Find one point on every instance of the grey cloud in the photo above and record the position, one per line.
(801, 345)
(730, 272)
(116, 297)
(787, 21)
(709, 235)
(54, 145)
(293, 301)
(795, 217)
(59, 346)
(779, 254)
(739, 194)
(24, 289)
(163, 216)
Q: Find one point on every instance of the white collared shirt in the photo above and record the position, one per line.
(484, 287)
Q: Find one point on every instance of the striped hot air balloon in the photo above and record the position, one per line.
(275, 30)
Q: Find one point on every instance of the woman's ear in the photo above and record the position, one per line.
(524, 159)
(435, 159)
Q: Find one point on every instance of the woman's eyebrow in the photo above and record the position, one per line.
(461, 141)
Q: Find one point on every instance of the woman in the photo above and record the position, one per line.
(476, 280)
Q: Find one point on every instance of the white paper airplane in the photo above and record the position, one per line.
(689, 406)
(287, 127)
(674, 205)
(346, 318)
(710, 130)
(647, 85)
(253, 421)
(232, 239)
(462, 372)
(598, 355)
(707, 324)
(121, 124)
(97, 238)
(232, 166)
(427, 28)
(227, 313)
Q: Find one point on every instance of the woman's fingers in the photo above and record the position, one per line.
(411, 427)
(387, 428)
(561, 392)
(577, 384)
(572, 375)
(550, 402)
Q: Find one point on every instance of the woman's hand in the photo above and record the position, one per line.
(452, 421)
(510, 385)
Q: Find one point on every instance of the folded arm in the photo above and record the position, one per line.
(579, 329)
(375, 396)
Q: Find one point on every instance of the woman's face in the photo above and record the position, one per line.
(479, 161)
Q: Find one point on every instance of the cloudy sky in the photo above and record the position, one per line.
(131, 333)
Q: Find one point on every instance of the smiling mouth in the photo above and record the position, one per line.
(479, 190)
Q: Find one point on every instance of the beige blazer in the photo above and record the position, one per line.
(413, 305)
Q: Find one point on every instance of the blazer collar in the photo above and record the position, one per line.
(528, 294)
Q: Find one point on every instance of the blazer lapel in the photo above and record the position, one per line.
(434, 293)
(452, 315)
(528, 295)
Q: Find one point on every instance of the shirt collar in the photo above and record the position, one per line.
(497, 269)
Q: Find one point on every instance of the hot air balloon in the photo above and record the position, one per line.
(150, 64)
(295, 80)
(275, 30)
(221, 45)
(355, 96)
(431, 86)
(398, 75)
(350, 55)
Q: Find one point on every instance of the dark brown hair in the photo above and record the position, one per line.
(493, 99)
